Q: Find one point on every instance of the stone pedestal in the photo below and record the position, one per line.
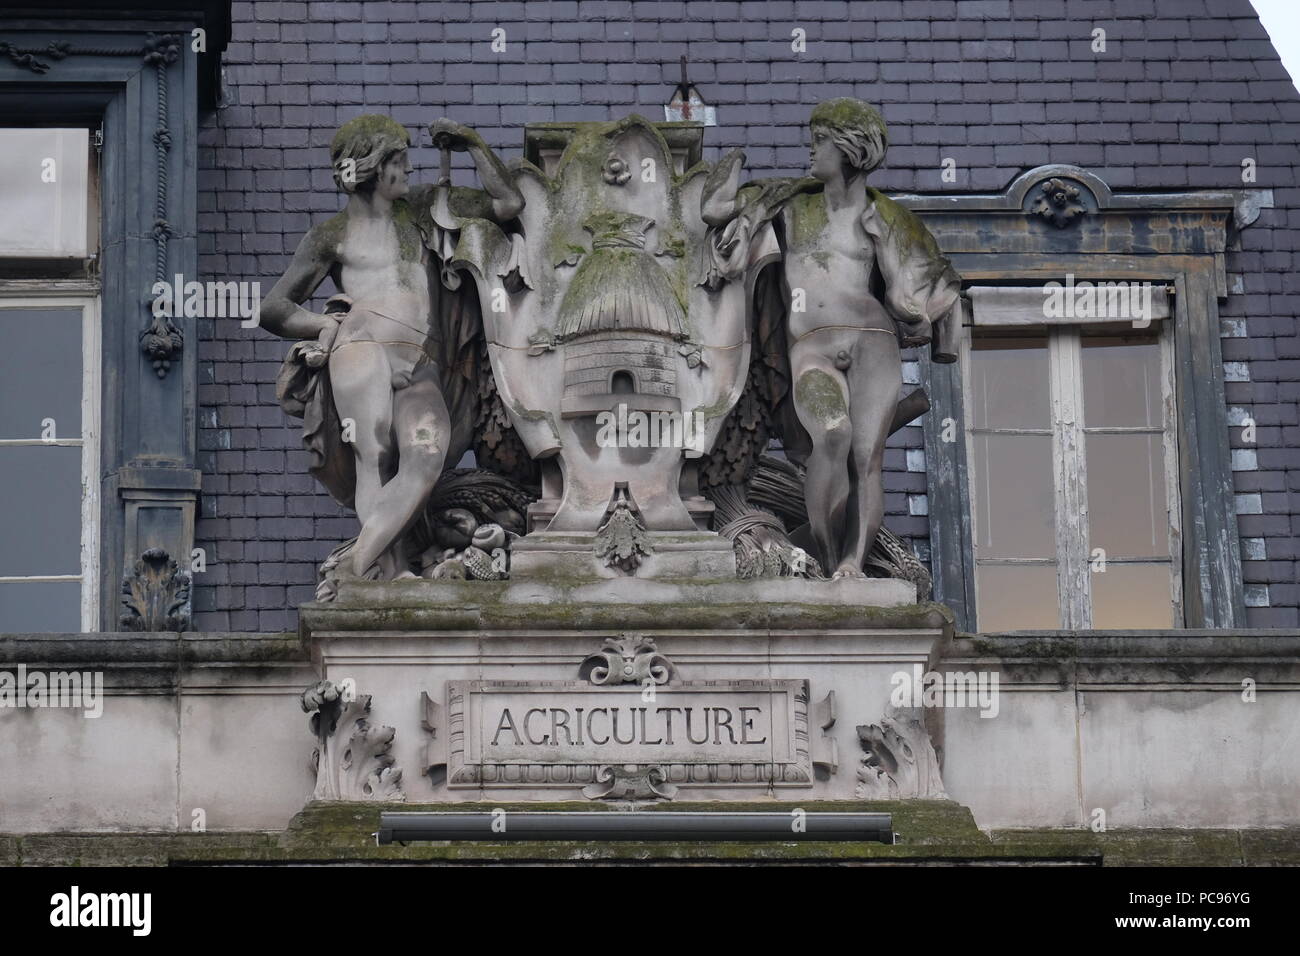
(620, 689)
(672, 555)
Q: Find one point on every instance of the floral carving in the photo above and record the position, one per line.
(615, 171)
(1058, 202)
(161, 342)
(162, 48)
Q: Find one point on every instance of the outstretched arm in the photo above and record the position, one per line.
(507, 200)
(282, 312)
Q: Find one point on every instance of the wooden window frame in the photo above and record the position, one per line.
(1068, 432)
(88, 441)
(1173, 239)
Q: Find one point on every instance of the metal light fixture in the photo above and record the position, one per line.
(499, 826)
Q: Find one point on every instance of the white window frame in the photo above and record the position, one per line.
(1073, 548)
(88, 442)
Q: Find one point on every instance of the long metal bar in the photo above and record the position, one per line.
(504, 826)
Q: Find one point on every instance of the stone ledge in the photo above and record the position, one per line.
(1169, 847)
(151, 647)
(159, 662)
(930, 832)
(478, 606)
(1213, 659)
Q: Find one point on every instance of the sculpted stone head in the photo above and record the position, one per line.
(369, 153)
(846, 132)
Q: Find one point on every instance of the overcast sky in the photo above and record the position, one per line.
(1281, 18)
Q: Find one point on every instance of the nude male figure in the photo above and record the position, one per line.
(384, 382)
(844, 336)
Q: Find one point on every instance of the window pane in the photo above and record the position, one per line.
(40, 510)
(1126, 495)
(1009, 385)
(1013, 496)
(40, 372)
(1016, 597)
(43, 192)
(1132, 596)
(27, 606)
(1121, 381)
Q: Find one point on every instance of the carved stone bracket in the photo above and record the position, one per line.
(156, 595)
(627, 659)
(630, 782)
(825, 752)
(898, 759)
(435, 748)
(351, 759)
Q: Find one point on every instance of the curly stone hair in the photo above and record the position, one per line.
(857, 128)
(367, 142)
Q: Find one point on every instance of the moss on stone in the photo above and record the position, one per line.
(940, 831)
(370, 126)
(1165, 847)
(821, 396)
(845, 112)
(326, 239)
(410, 241)
(808, 220)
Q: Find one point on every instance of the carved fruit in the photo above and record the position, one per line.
(489, 537)
(454, 528)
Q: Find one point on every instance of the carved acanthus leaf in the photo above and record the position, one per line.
(898, 759)
(352, 759)
(156, 595)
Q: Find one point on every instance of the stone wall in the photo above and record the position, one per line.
(1153, 729)
(1185, 91)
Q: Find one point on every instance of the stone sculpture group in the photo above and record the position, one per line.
(611, 282)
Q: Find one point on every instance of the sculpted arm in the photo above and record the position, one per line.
(718, 205)
(507, 200)
(281, 312)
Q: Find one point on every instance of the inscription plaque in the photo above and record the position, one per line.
(563, 733)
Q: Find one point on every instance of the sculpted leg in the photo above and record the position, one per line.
(359, 377)
(875, 379)
(423, 431)
(821, 402)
